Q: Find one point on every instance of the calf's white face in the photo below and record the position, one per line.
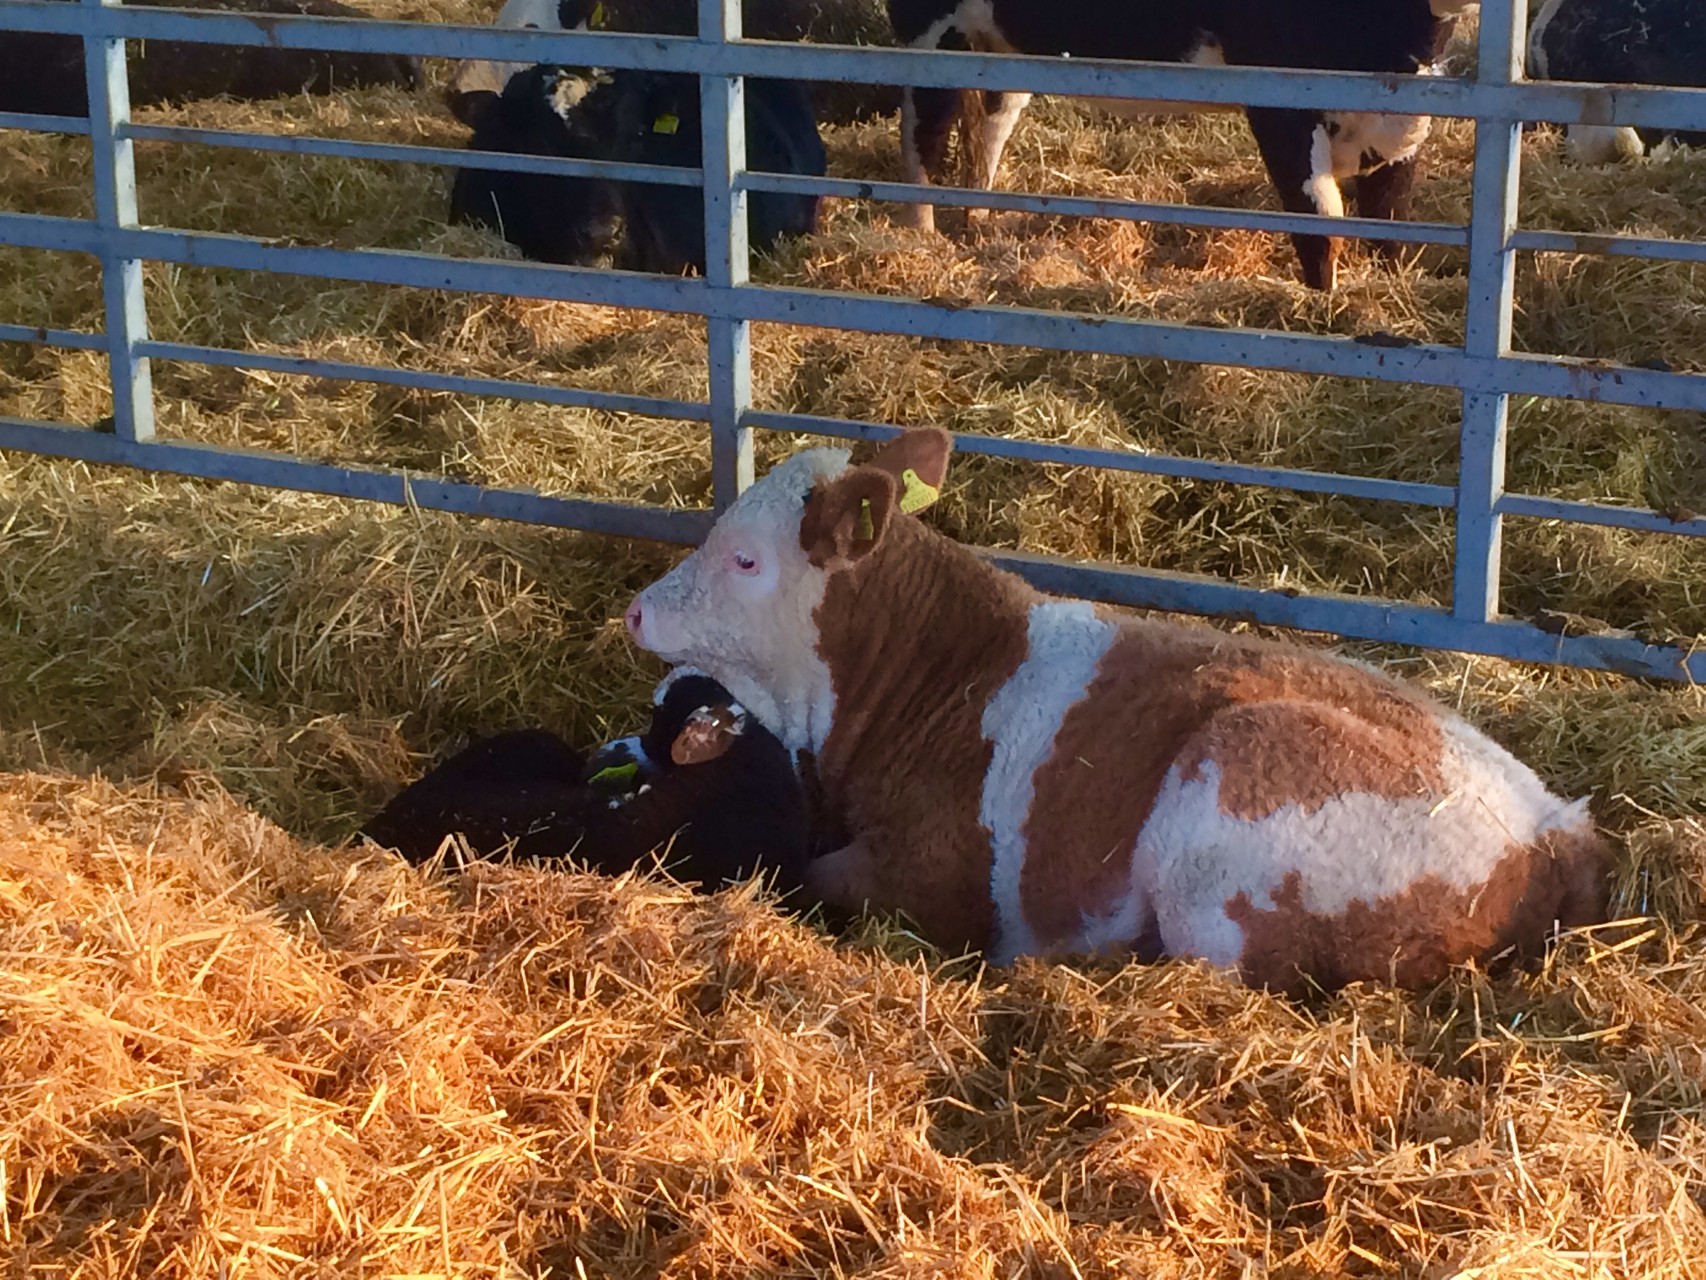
(741, 607)
(744, 607)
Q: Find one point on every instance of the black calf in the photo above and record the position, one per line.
(638, 117)
(543, 111)
(665, 226)
(716, 794)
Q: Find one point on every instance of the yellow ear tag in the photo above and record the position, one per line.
(597, 19)
(915, 495)
(867, 530)
(665, 124)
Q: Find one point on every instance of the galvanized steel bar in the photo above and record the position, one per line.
(281, 471)
(1487, 320)
(114, 165)
(1557, 101)
(1184, 215)
(1637, 519)
(1359, 617)
(349, 149)
(420, 380)
(1075, 206)
(728, 261)
(1427, 364)
(1650, 248)
(44, 337)
(1155, 464)
(37, 123)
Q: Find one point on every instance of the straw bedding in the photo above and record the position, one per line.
(231, 1045)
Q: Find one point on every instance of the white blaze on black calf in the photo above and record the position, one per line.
(1042, 776)
(1307, 153)
(1661, 42)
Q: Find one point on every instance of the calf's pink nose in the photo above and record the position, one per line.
(633, 618)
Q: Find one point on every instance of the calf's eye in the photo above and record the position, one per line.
(744, 563)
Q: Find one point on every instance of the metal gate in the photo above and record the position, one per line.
(1484, 368)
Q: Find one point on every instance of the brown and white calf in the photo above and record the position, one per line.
(1307, 153)
(1032, 775)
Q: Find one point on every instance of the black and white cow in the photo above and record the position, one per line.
(42, 73)
(636, 117)
(1660, 42)
(1307, 153)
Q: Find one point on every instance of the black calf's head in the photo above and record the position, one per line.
(542, 111)
(697, 722)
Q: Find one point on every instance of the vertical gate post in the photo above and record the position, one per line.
(115, 209)
(1487, 319)
(722, 101)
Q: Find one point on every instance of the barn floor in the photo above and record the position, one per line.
(208, 1017)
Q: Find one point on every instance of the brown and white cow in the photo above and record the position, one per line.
(1033, 775)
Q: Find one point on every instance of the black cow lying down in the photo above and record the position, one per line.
(706, 786)
(42, 73)
(1660, 42)
(1307, 153)
(639, 117)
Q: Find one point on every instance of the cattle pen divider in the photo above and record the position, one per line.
(1484, 369)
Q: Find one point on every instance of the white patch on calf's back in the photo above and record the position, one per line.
(1067, 641)
(1357, 846)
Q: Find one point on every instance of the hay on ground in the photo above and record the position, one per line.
(231, 1053)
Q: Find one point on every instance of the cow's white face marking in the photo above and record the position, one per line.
(741, 608)
(1066, 644)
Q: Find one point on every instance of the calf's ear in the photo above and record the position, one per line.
(707, 735)
(918, 461)
(845, 519)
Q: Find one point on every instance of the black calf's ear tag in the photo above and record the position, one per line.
(708, 733)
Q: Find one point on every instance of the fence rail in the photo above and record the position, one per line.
(1483, 369)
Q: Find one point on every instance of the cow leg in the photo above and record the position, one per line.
(1385, 193)
(1299, 156)
(845, 880)
(1001, 112)
(927, 117)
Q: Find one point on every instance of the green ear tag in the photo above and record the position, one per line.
(915, 495)
(867, 530)
(623, 773)
(666, 123)
(597, 19)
